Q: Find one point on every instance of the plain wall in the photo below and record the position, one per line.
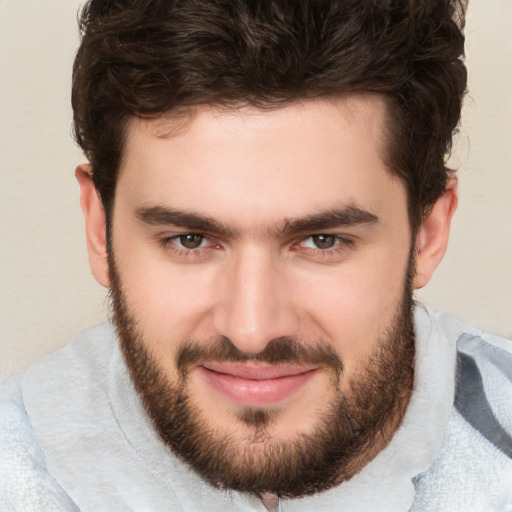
(46, 291)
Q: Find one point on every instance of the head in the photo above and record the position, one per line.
(267, 184)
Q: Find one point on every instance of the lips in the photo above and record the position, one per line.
(255, 384)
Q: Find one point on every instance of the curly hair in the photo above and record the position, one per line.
(145, 58)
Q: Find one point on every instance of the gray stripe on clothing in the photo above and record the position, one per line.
(472, 404)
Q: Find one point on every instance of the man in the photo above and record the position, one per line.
(266, 187)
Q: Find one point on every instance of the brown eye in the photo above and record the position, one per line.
(323, 241)
(191, 240)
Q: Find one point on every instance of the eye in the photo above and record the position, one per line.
(188, 246)
(190, 241)
(321, 242)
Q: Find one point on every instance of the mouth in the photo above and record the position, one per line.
(255, 384)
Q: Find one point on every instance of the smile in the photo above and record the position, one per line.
(255, 385)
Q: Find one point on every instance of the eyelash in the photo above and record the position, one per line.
(170, 243)
(342, 243)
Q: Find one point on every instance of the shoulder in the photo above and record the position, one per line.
(483, 382)
(483, 394)
(25, 483)
(87, 353)
(473, 471)
(70, 373)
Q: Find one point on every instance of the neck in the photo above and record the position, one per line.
(271, 502)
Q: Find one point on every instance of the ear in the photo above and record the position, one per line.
(95, 225)
(432, 237)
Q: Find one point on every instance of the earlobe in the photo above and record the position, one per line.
(432, 237)
(95, 225)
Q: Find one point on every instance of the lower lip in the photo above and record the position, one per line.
(252, 392)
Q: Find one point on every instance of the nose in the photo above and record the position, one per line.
(255, 304)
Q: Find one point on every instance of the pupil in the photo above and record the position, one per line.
(191, 241)
(324, 241)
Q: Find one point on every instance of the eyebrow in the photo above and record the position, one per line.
(160, 216)
(335, 218)
(348, 216)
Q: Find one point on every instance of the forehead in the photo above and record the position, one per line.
(253, 163)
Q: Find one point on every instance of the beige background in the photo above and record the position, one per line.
(46, 291)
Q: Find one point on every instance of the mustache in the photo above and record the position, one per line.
(281, 350)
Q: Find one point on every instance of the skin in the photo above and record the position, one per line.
(256, 173)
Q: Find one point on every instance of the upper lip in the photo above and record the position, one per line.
(258, 371)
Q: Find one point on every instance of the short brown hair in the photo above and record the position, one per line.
(144, 58)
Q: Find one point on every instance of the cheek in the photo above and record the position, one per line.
(350, 306)
(168, 302)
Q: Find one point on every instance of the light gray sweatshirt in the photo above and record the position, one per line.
(74, 436)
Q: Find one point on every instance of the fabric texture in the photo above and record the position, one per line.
(74, 436)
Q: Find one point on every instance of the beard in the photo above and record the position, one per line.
(351, 429)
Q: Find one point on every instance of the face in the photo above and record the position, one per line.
(260, 273)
